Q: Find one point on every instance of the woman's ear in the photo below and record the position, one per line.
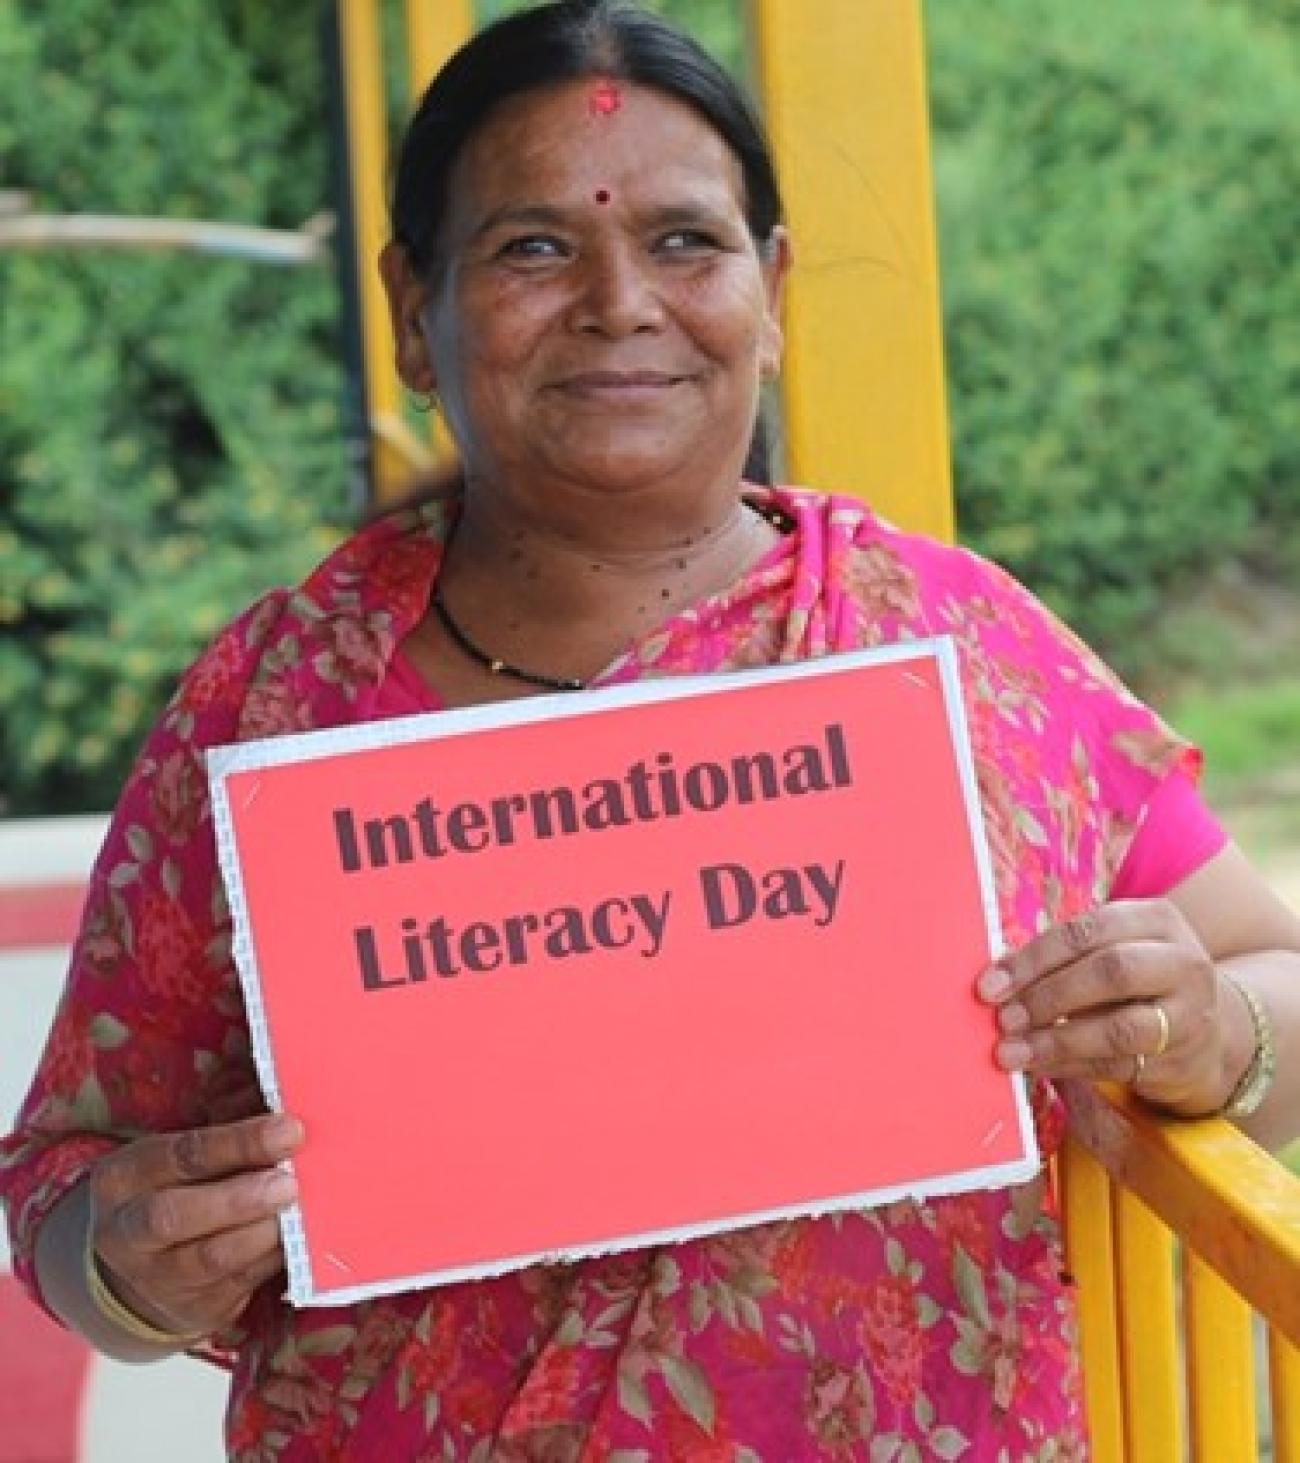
(775, 259)
(407, 297)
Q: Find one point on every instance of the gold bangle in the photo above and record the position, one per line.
(126, 1320)
(1253, 1085)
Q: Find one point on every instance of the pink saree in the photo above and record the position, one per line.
(942, 1330)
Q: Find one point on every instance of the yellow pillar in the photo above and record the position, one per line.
(843, 83)
(363, 88)
(434, 28)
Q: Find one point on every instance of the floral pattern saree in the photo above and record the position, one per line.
(937, 1330)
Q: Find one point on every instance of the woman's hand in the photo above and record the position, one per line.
(183, 1224)
(1126, 993)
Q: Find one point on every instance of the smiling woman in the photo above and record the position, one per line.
(587, 268)
(584, 352)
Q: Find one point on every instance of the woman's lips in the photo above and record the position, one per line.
(619, 385)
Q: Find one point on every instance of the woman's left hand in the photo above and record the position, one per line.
(1125, 993)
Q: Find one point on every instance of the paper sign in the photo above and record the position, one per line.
(570, 975)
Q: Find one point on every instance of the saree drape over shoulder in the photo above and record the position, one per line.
(941, 1330)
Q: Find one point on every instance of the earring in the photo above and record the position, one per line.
(427, 402)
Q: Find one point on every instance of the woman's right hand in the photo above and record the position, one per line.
(183, 1224)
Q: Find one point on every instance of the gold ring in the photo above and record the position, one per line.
(1139, 1066)
(1163, 1044)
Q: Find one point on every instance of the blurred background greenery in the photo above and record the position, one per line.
(1119, 199)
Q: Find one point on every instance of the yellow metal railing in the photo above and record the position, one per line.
(1177, 1233)
(1180, 1235)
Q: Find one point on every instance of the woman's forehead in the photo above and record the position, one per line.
(593, 137)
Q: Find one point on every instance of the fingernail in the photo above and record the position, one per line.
(280, 1189)
(286, 1132)
(1014, 1055)
(994, 983)
(1013, 1018)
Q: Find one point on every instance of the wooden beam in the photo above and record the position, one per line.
(308, 245)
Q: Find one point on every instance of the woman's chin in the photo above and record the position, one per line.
(624, 468)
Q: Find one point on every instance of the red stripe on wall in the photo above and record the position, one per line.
(40, 914)
(43, 1374)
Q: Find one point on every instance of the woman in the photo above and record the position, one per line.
(587, 270)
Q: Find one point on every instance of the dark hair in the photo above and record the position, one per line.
(568, 40)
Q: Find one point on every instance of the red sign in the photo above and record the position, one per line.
(573, 974)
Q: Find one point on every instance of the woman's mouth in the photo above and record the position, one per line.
(625, 386)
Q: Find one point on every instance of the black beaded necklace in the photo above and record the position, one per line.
(494, 665)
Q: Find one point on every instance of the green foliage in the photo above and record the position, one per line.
(169, 434)
(1119, 189)
(1246, 733)
(1119, 198)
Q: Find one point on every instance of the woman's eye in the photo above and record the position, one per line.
(687, 241)
(532, 246)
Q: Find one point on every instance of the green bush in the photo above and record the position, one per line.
(169, 431)
(170, 437)
(1119, 199)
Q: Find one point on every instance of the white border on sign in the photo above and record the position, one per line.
(401, 731)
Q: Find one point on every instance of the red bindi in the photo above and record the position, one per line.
(602, 195)
(605, 99)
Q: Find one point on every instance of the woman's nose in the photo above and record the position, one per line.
(617, 294)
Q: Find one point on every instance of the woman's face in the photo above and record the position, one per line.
(600, 312)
